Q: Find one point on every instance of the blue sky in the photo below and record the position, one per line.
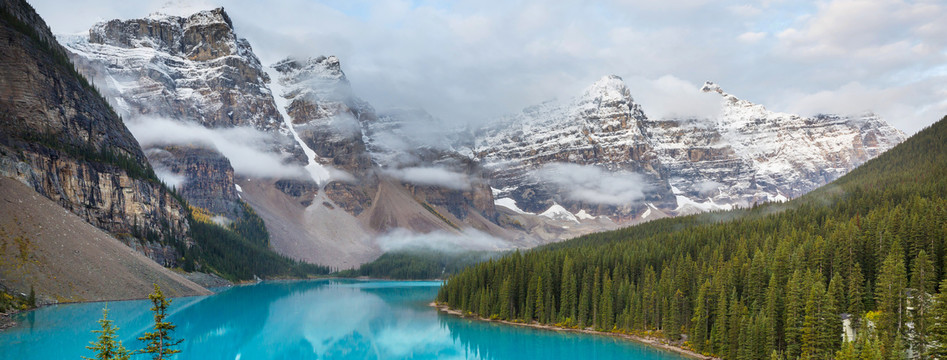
(471, 61)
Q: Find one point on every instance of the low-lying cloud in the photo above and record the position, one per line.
(169, 177)
(468, 240)
(593, 184)
(708, 187)
(432, 176)
(247, 149)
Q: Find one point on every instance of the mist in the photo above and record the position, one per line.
(432, 176)
(448, 242)
(593, 184)
(245, 147)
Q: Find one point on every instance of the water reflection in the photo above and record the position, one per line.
(326, 319)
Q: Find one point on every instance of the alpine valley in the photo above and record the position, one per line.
(181, 135)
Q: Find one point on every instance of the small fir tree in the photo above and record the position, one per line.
(159, 342)
(107, 347)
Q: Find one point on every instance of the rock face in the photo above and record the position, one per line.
(603, 129)
(326, 118)
(58, 136)
(746, 155)
(193, 70)
(208, 177)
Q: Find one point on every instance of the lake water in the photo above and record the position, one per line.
(322, 319)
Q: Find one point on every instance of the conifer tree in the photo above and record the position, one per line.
(107, 347)
(856, 295)
(160, 343)
(892, 281)
(937, 331)
(922, 286)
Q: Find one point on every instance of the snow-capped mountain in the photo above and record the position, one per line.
(747, 154)
(601, 131)
(192, 72)
(337, 175)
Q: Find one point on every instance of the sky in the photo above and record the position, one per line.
(471, 61)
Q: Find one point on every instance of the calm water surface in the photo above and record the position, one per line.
(323, 319)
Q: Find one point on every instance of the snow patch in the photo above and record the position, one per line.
(582, 215)
(320, 174)
(510, 204)
(557, 212)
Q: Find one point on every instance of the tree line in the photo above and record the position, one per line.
(773, 281)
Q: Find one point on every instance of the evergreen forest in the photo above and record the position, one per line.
(852, 270)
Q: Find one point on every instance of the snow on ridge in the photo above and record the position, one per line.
(557, 212)
(582, 215)
(320, 174)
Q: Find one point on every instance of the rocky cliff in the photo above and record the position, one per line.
(601, 132)
(59, 137)
(745, 155)
(190, 70)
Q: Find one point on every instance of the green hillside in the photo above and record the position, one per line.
(774, 280)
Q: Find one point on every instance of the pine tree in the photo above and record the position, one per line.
(922, 285)
(812, 323)
(831, 330)
(856, 295)
(701, 321)
(506, 304)
(937, 331)
(159, 342)
(107, 347)
(892, 281)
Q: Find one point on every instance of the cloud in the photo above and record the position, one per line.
(468, 240)
(670, 97)
(593, 184)
(751, 37)
(890, 103)
(708, 187)
(448, 58)
(169, 177)
(432, 176)
(246, 148)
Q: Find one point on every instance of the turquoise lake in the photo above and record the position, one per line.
(321, 319)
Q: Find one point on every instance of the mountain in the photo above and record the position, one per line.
(334, 180)
(745, 155)
(326, 198)
(776, 278)
(62, 139)
(59, 138)
(195, 70)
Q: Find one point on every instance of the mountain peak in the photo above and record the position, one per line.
(607, 106)
(608, 87)
(733, 102)
(204, 35)
(324, 69)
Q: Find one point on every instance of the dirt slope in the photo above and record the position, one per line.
(66, 259)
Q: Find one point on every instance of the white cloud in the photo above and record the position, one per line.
(890, 103)
(169, 177)
(246, 148)
(433, 176)
(469, 239)
(670, 97)
(593, 184)
(751, 37)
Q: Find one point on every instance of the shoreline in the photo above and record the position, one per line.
(650, 341)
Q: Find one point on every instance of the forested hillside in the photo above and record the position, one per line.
(774, 280)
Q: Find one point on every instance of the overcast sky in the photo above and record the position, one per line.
(467, 61)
